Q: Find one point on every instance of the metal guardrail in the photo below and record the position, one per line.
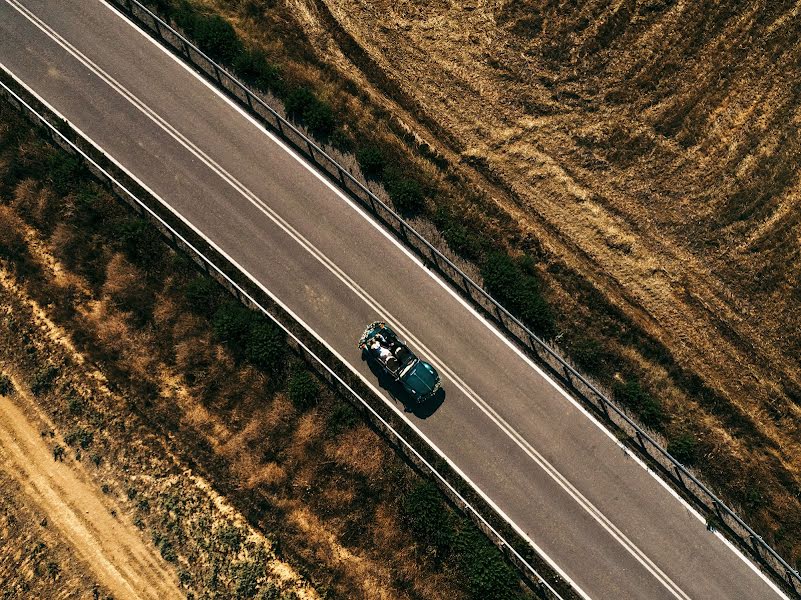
(567, 375)
(538, 583)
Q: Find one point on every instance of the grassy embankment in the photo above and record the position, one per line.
(277, 49)
(180, 363)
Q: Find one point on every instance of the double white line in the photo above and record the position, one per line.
(457, 382)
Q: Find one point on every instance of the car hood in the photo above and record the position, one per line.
(421, 378)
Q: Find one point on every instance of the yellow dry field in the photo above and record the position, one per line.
(107, 545)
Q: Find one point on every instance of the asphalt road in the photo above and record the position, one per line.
(607, 523)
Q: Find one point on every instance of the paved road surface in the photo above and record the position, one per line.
(594, 511)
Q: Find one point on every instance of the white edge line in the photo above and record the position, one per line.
(442, 455)
(440, 282)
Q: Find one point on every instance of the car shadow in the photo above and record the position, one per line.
(430, 406)
(398, 394)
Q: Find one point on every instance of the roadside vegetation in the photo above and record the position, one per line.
(171, 393)
(744, 443)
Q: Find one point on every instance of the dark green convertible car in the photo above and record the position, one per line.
(381, 345)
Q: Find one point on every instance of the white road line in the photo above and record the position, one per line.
(551, 471)
(445, 286)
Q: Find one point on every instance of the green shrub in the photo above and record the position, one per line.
(253, 67)
(232, 323)
(231, 537)
(203, 295)
(246, 579)
(429, 518)
(343, 417)
(6, 386)
(303, 104)
(58, 452)
(139, 241)
(43, 380)
(406, 194)
(63, 171)
(684, 448)
(488, 574)
(79, 437)
(462, 238)
(519, 291)
(215, 36)
(266, 345)
(302, 389)
(371, 161)
(647, 408)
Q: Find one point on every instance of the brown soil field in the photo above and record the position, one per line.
(644, 153)
(248, 482)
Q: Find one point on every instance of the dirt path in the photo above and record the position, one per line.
(110, 546)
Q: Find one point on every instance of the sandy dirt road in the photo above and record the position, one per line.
(110, 546)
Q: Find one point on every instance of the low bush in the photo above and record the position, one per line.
(406, 194)
(461, 239)
(203, 295)
(633, 396)
(487, 573)
(213, 34)
(231, 323)
(230, 537)
(139, 241)
(6, 386)
(266, 345)
(43, 380)
(302, 389)
(429, 518)
(683, 447)
(343, 417)
(316, 114)
(76, 406)
(513, 284)
(588, 355)
(79, 438)
(165, 547)
(253, 67)
(58, 452)
(247, 577)
(64, 171)
(371, 161)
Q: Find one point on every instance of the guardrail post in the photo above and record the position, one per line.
(678, 475)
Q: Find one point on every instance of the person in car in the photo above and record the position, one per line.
(382, 352)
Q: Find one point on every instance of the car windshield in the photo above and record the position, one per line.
(408, 368)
